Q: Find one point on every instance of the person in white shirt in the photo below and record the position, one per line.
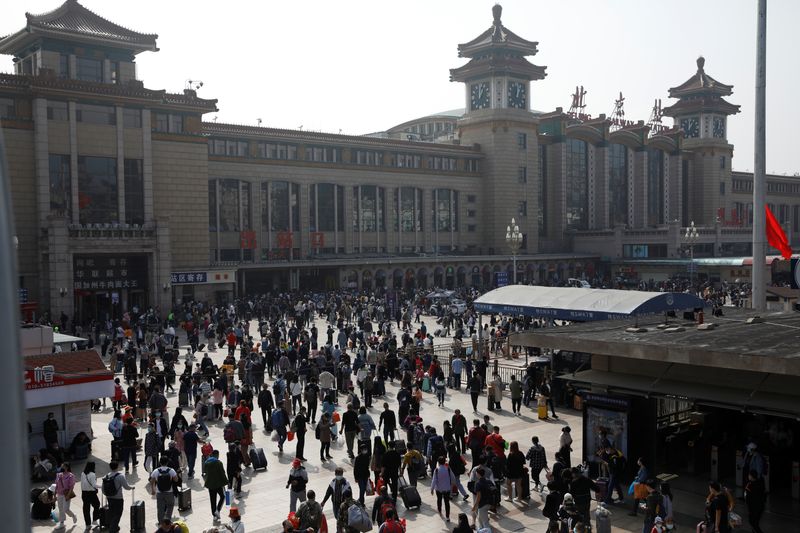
(236, 525)
(162, 479)
(89, 495)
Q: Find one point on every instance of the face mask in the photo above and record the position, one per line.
(339, 478)
(180, 426)
(158, 415)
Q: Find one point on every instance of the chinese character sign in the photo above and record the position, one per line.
(247, 240)
(285, 239)
(188, 278)
(317, 239)
(104, 272)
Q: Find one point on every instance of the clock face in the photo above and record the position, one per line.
(516, 95)
(479, 95)
(719, 128)
(690, 127)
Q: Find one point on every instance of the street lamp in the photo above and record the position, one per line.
(691, 237)
(514, 241)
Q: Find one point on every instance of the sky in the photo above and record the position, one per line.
(360, 66)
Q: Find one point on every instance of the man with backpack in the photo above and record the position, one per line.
(616, 469)
(390, 524)
(414, 463)
(381, 506)
(336, 491)
(161, 480)
(233, 431)
(280, 420)
(310, 512)
(654, 505)
(113, 484)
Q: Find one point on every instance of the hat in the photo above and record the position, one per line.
(568, 498)
(234, 513)
(752, 446)
(296, 463)
(659, 520)
(567, 429)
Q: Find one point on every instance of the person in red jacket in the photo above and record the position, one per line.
(496, 442)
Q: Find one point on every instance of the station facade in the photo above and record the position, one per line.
(125, 196)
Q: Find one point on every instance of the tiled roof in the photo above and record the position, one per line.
(72, 20)
(81, 362)
(497, 36)
(701, 83)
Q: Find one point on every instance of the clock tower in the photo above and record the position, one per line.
(497, 100)
(701, 113)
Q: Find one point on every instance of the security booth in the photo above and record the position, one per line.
(689, 398)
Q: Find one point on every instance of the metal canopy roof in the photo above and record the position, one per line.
(582, 305)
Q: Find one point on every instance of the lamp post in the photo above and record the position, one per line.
(514, 241)
(691, 237)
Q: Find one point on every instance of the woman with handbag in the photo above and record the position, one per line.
(91, 504)
(65, 484)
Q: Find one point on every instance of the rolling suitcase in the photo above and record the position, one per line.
(542, 411)
(116, 450)
(526, 486)
(102, 512)
(602, 489)
(184, 499)
(137, 516)
(409, 494)
(426, 384)
(257, 458)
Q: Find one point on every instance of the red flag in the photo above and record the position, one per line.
(776, 237)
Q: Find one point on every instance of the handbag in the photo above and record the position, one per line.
(71, 494)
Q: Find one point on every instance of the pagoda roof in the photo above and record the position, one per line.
(491, 65)
(71, 21)
(497, 37)
(701, 84)
(701, 104)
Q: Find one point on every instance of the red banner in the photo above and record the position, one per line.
(317, 239)
(285, 239)
(46, 377)
(247, 240)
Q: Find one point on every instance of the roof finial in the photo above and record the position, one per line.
(701, 61)
(497, 10)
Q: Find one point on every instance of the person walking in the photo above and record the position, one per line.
(91, 503)
(537, 461)
(266, 404)
(565, 445)
(361, 470)
(475, 385)
(755, 497)
(129, 436)
(298, 479)
(65, 485)
(639, 491)
(336, 490)
(616, 470)
(515, 471)
(280, 421)
(483, 499)
(350, 428)
(152, 448)
(440, 385)
(414, 463)
(190, 440)
(233, 468)
(546, 390)
(442, 482)
(515, 388)
(323, 434)
(113, 485)
(388, 421)
(216, 480)
(299, 426)
(162, 480)
(459, 424)
(458, 367)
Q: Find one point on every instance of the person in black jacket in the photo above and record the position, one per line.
(391, 467)
(266, 404)
(361, 471)
(755, 497)
(580, 486)
(552, 503)
(177, 418)
(234, 467)
(389, 422)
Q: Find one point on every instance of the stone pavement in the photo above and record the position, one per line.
(264, 502)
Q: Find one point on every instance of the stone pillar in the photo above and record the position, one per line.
(428, 222)
(161, 265)
(640, 189)
(120, 164)
(147, 166)
(59, 269)
(73, 160)
(73, 66)
(303, 238)
(557, 190)
(42, 160)
(107, 73)
(591, 189)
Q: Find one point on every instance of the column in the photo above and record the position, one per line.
(590, 188)
(59, 269)
(42, 158)
(557, 187)
(147, 166)
(162, 265)
(120, 162)
(303, 237)
(107, 72)
(73, 159)
(258, 226)
(631, 169)
(640, 188)
(665, 192)
(73, 66)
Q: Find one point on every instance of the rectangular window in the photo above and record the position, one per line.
(115, 72)
(522, 175)
(522, 140)
(134, 192)
(367, 157)
(97, 190)
(89, 69)
(471, 198)
(176, 123)
(522, 208)
(655, 187)
(132, 118)
(212, 206)
(60, 185)
(323, 154)
(229, 205)
(407, 160)
(471, 228)
(7, 108)
(577, 186)
(247, 214)
(471, 213)
(162, 122)
(617, 185)
(63, 66)
(277, 151)
(96, 114)
(472, 165)
(722, 188)
(722, 162)
(57, 111)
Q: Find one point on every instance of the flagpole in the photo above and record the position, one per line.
(759, 301)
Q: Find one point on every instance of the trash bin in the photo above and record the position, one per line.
(602, 518)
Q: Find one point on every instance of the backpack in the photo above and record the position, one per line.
(164, 480)
(109, 487)
(204, 410)
(358, 518)
(437, 446)
(277, 419)
(229, 434)
(391, 527)
(309, 516)
(276, 389)
(417, 463)
(385, 506)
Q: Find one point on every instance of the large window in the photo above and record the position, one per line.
(212, 206)
(655, 187)
(60, 185)
(57, 111)
(326, 207)
(134, 192)
(326, 154)
(132, 118)
(276, 151)
(366, 157)
(445, 216)
(97, 190)
(541, 200)
(410, 209)
(7, 109)
(577, 185)
(229, 205)
(96, 114)
(283, 201)
(617, 185)
(407, 160)
(89, 69)
(369, 208)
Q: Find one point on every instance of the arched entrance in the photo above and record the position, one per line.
(487, 277)
(422, 278)
(438, 277)
(397, 279)
(411, 279)
(366, 280)
(476, 276)
(351, 279)
(449, 277)
(380, 279)
(461, 277)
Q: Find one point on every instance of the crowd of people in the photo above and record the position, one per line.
(274, 366)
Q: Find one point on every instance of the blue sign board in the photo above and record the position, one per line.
(186, 278)
(501, 278)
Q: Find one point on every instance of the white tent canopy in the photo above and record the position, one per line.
(570, 303)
